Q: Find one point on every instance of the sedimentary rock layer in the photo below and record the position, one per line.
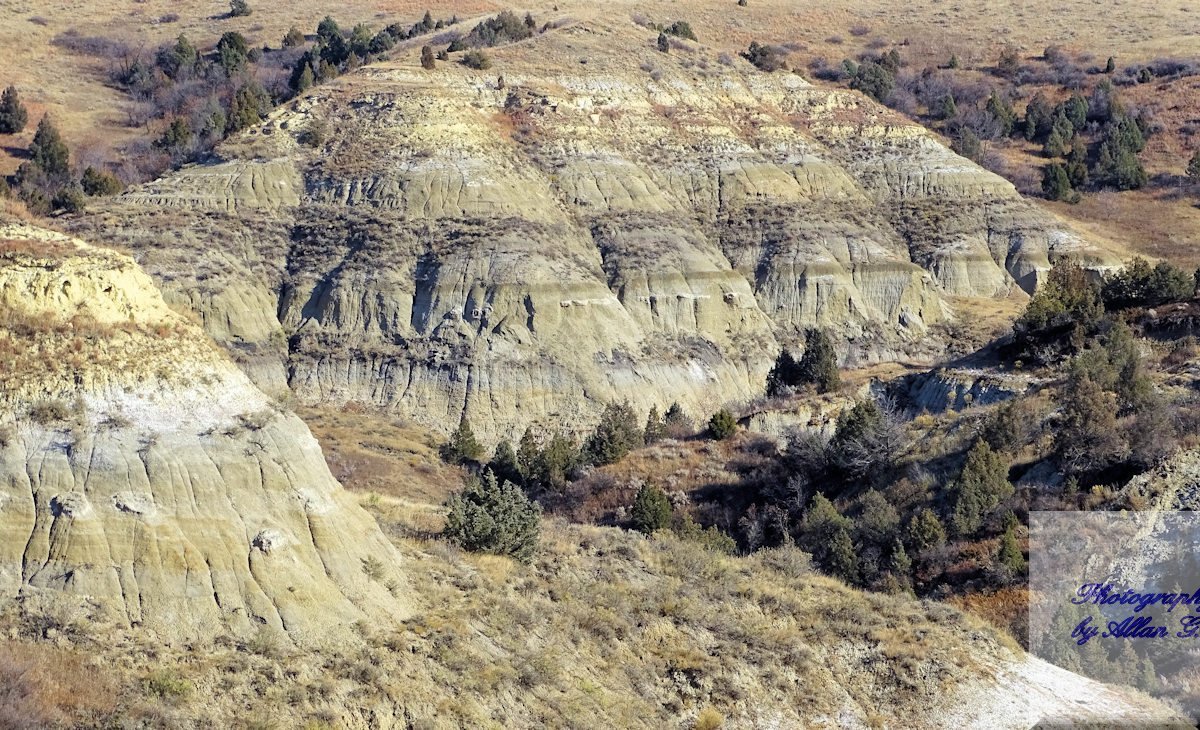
(142, 474)
(590, 220)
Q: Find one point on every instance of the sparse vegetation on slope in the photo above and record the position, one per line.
(506, 27)
(604, 625)
(1050, 123)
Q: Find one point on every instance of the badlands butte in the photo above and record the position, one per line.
(590, 220)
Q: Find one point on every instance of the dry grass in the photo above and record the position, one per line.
(605, 627)
(1150, 222)
(45, 687)
(53, 352)
(975, 30)
(372, 453)
(25, 248)
(1006, 609)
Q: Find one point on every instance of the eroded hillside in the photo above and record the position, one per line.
(591, 220)
(164, 522)
(145, 482)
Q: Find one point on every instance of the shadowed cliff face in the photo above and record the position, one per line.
(144, 478)
(604, 222)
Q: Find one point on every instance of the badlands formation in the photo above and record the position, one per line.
(590, 220)
(146, 480)
(156, 502)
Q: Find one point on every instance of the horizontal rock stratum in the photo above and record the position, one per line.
(590, 220)
(143, 474)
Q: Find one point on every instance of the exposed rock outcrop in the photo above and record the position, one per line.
(944, 389)
(650, 227)
(142, 474)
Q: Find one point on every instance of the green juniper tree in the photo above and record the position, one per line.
(968, 144)
(820, 523)
(1088, 438)
(1076, 111)
(1009, 62)
(615, 436)
(656, 427)
(901, 564)
(945, 108)
(13, 115)
(784, 375)
(493, 517)
(1069, 296)
(925, 530)
(48, 151)
(1077, 163)
(1056, 184)
(69, 199)
(1001, 111)
(180, 60)
(504, 464)
(981, 486)
(100, 182)
(843, 560)
(681, 29)
(874, 80)
(1009, 556)
(1121, 169)
(176, 137)
(232, 51)
(722, 425)
(462, 448)
(1140, 284)
(1056, 145)
(651, 509)
(677, 422)
(554, 464)
(303, 78)
(766, 57)
(476, 59)
(819, 365)
(879, 522)
(1039, 118)
(360, 40)
(327, 30)
(527, 454)
(293, 38)
(249, 105)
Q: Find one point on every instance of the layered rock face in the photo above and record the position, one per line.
(142, 474)
(603, 222)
